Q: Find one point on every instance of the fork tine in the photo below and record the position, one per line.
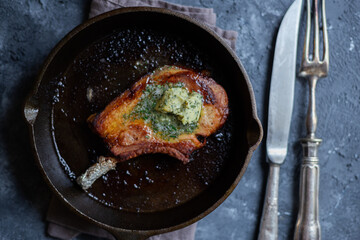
(307, 34)
(316, 32)
(325, 34)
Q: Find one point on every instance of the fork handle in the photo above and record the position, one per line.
(307, 225)
(269, 218)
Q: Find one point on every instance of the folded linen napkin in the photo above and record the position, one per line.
(205, 15)
(63, 223)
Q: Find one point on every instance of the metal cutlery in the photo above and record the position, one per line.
(280, 111)
(312, 67)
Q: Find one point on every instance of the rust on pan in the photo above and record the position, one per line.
(57, 108)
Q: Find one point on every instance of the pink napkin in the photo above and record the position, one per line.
(64, 224)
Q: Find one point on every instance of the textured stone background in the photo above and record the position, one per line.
(30, 29)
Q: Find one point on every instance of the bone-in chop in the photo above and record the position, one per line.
(171, 110)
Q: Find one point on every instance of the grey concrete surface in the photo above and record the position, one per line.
(30, 29)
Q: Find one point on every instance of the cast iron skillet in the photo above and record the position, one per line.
(104, 56)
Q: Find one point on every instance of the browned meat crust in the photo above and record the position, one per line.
(128, 138)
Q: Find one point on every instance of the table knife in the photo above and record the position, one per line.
(280, 111)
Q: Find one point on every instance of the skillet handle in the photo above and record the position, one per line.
(254, 133)
(119, 235)
(31, 109)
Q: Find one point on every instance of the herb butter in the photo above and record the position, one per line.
(191, 109)
(185, 106)
(169, 109)
(172, 100)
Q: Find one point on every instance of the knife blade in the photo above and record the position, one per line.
(280, 111)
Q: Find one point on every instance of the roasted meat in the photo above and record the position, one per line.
(132, 124)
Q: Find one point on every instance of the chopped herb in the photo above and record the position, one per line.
(166, 125)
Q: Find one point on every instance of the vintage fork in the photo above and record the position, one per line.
(307, 225)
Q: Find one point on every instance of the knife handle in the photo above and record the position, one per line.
(307, 225)
(269, 218)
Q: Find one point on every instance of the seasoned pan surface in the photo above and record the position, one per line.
(102, 71)
(97, 62)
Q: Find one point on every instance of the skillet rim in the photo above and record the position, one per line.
(30, 119)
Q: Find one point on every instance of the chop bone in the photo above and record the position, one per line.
(104, 165)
